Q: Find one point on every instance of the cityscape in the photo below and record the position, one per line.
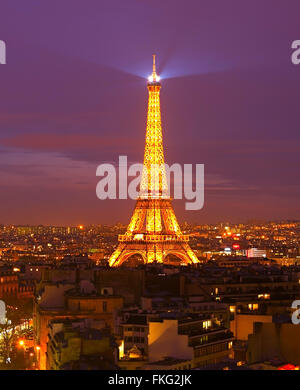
(90, 281)
(62, 297)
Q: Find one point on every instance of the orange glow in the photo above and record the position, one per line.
(288, 367)
(121, 350)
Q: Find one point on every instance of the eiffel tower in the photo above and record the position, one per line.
(153, 234)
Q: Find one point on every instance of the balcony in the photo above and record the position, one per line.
(153, 238)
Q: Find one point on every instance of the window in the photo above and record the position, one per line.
(253, 306)
(206, 324)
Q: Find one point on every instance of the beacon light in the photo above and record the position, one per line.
(151, 78)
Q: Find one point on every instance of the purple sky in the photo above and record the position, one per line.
(73, 95)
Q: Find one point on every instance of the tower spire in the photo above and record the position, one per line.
(153, 78)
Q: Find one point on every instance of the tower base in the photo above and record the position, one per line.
(168, 251)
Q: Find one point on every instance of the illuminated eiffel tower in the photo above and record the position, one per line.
(153, 233)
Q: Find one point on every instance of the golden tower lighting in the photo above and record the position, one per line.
(153, 233)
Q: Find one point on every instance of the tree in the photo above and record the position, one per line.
(8, 339)
(11, 332)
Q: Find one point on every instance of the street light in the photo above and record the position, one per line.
(21, 343)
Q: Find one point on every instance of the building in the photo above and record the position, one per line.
(135, 331)
(277, 339)
(174, 340)
(69, 299)
(193, 341)
(126, 282)
(9, 283)
(254, 252)
(12, 286)
(80, 344)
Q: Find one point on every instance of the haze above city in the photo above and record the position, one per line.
(229, 100)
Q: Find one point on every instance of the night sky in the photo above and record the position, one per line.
(73, 95)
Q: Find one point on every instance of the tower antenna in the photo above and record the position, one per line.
(154, 68)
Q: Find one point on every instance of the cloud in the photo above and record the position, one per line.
(21, 170)
(65, 142)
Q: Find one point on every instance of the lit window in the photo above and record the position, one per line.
(206, 324)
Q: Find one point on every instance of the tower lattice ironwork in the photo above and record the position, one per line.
(153, 233)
